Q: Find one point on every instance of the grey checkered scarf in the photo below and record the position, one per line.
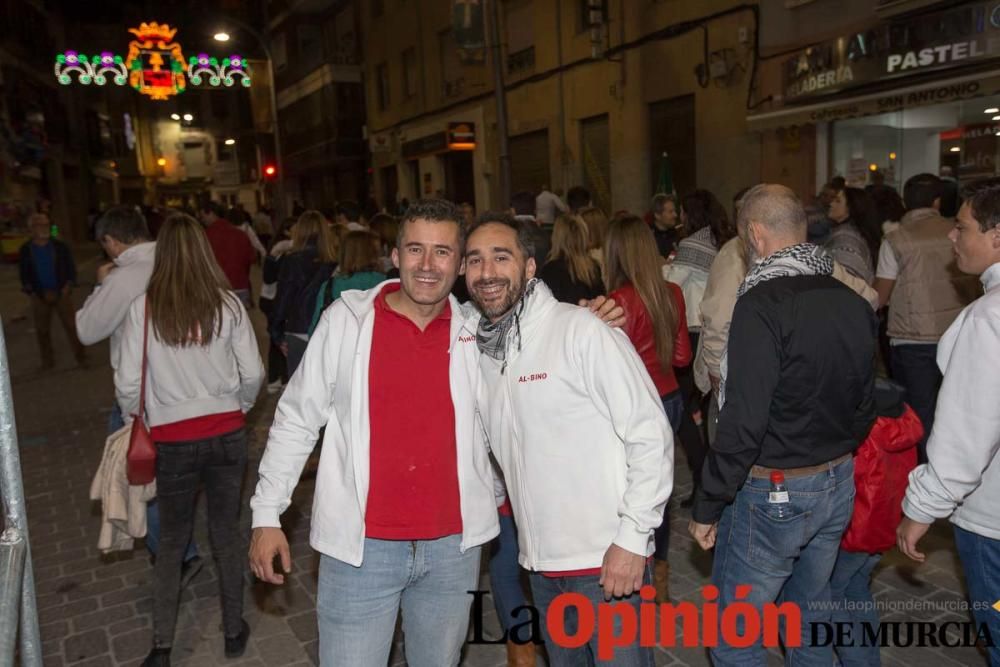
(804, 259)
(491, 337)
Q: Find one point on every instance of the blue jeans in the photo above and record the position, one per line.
(429, 579)
(673, 405)
(505, 579)
(787, 559)
(981, 562)
(915, 367)
(546, 589)
(850, 590)
(115, 422)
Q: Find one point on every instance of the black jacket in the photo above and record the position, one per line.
(65, 267)
(799, 385)
(293, 306)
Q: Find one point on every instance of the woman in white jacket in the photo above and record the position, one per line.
(203, 372)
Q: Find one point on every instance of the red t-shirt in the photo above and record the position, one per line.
(198, 428)
(413, 490)
(233, 251)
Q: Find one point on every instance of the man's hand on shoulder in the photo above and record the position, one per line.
(265, 544)
(607, 309)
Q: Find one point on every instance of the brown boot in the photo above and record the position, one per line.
(520, 655)
(661, 580)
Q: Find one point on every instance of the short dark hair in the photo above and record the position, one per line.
(523, 203)
(838, 182)
(124, 223)
(434, 210)
(921, 190)
(660, 201)
(350, 210)
(983, 197)
(577, 197)
(525, 239)
(207, 205)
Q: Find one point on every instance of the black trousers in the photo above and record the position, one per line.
(182, 468)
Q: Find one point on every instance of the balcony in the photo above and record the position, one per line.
(521, 61)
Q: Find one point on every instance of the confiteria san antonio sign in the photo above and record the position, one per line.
(963, 35)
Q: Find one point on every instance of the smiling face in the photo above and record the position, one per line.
(975, 250)
(428, 259)
(496, 270)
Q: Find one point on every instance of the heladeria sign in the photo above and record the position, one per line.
(954, 37)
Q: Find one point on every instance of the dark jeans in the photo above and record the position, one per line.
(277, 365)
(115, 422)
(505, 578)
(851, 594)
(546, 589)
(692, 436)
(915, 367)
(181, 468)
(296, 350)
(42, 309)
(981, 563)
(673, 404)
(782, 558)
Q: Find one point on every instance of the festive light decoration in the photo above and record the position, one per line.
(155, 66)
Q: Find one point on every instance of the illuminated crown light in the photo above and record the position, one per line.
(154, 31)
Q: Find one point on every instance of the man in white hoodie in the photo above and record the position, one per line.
(404, 492)
(961, 479)
(578, 429)
(124, 235)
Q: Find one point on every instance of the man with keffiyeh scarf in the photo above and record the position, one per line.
(797, 397)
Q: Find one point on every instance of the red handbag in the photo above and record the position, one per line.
(141, 459)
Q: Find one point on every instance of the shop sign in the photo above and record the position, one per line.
(462, 136)
(950, 38)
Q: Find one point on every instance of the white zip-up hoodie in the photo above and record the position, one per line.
(191, 381)
(962, 476)
(103, 313)
(580, 433)
(330, 388)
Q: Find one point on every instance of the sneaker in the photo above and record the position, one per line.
(236, 646)
(275, 387)
(190, 570)
(158, 657)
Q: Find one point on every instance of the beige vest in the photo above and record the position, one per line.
(930, 291)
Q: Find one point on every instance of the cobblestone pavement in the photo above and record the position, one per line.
(96, 611)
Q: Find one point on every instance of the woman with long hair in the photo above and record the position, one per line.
(360, 268)
(203, 372)
(857, 232)
(655, 323)
(312, 260)
(569, 271)
(597, 229)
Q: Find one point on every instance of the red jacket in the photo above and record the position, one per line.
(639, 328)
(882, 467)
(233, 251)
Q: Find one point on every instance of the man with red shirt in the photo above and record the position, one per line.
(232, 248)
(404, 493)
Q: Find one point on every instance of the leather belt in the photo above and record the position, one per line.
(763, 472)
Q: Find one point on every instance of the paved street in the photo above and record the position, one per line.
(96, 611)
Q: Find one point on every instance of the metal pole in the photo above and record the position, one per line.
(501, 96)
(11, 573)
(15, 514)
(281, 212)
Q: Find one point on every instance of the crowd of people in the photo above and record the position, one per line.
(515, 382)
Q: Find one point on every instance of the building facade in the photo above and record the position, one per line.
(878, 90)
(593, 99)
(320, 99)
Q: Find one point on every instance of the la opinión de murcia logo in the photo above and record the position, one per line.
(739, 624)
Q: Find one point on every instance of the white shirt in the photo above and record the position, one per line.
(888, 265)
(962, 476)
(546, 204)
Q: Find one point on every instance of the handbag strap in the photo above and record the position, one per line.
(142, 382)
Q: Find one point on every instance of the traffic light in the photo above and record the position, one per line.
(270, 170)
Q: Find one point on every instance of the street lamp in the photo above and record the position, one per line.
(279, 171)
(188, 117)
(175, 116)
(230, 142)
